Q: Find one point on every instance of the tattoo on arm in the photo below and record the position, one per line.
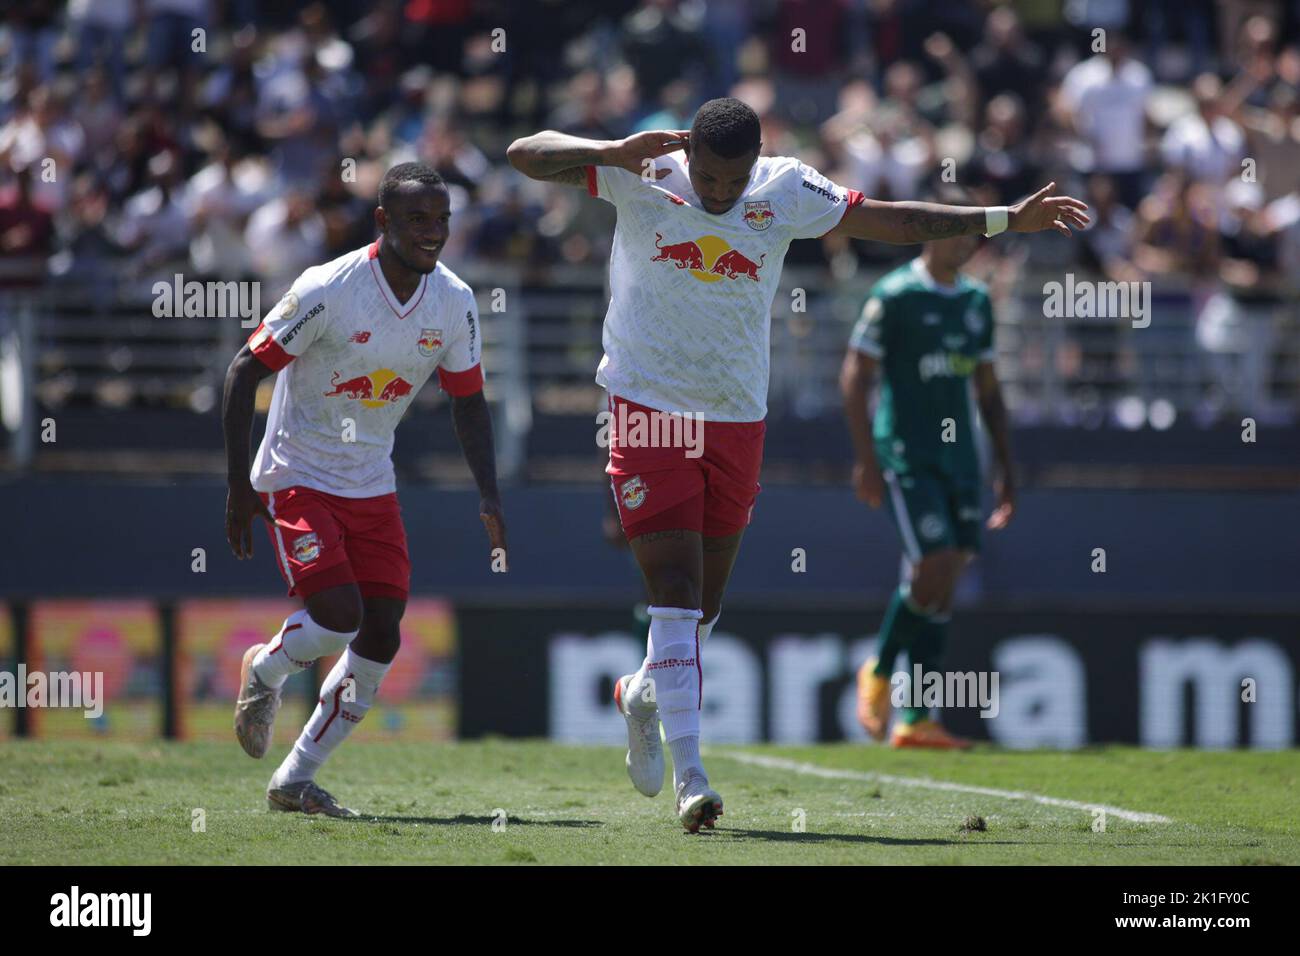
(923, 221)
(555, 157)
(473, 424)
(576, 176)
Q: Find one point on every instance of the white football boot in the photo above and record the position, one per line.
(306, 797)
(645, 752)
(255, 709)
(698, 804)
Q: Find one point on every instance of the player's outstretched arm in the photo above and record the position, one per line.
(237, 404)
(473, 423)
(560, 158)
(911, 222)
(994, 412)
(857, 375)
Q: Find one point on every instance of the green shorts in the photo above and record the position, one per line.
(933, 512)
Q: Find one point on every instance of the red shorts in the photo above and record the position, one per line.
(705, 480)
(322, 541)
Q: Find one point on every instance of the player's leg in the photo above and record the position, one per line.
(930, 593)
(658, 493)
(308, 545)
(346, 696)
(377, 554)
(719, 558)
(669, 679)
(932, 588)
(918, 508)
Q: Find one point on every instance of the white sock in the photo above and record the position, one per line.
(300, 641)
(638, 679)
(673, 667)
(706, 628)
(686, 756)
(334, 717)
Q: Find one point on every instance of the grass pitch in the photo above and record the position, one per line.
(93, 802)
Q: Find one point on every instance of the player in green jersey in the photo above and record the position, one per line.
(928, 331)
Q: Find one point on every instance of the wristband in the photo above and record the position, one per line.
(995, 220)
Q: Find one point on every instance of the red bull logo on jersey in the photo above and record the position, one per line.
(758, 215)
(430, 341)
(375, 390)
(708, 258)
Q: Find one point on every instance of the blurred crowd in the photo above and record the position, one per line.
(239, 139)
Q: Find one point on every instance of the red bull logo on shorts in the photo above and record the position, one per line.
(708, 258)
(374, 390)
(633, 492)
(306, 548)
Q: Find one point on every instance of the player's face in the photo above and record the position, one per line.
(416, 224)
(718, 182)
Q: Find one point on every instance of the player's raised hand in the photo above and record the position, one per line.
(242, 505)
(1006, 506)
(868, 484)
(1042, 210)
(631, 153)
(494, 520)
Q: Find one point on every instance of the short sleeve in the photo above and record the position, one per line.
(819, 203)
(460, 372)
(610, 183)
(869, 332)
(292, 324)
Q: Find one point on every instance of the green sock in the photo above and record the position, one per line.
(927, 650)
(900, 628)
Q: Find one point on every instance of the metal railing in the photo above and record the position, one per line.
(99, 343)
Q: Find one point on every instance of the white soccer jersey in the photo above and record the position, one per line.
(688, 325)
(347, 350)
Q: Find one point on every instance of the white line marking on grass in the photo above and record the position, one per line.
(830, 773)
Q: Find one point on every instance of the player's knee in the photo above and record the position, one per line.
(935, 576)
(382, 625)
(337, 610)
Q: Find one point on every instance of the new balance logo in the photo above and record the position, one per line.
(360, 337)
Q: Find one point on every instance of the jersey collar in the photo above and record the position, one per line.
(399, 309)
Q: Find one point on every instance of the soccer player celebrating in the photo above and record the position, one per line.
(353, 341)
(929, 331)
(687, 332)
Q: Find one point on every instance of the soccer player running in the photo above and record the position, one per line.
(687, 331)
(353, 341)
(928, 330)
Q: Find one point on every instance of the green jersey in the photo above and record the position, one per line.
(928, 339)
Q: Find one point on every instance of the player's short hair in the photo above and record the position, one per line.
(421, 173)
(727, 127)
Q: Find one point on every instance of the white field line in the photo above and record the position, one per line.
(830, 773)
